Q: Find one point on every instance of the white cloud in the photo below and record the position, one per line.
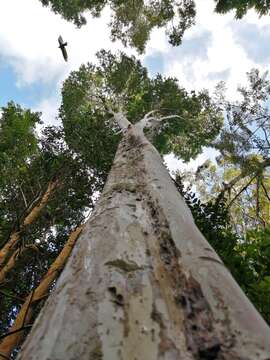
(49, 107)
(29, 45)
(210, 50)
(29, 41)
(224, 55)
(175, 164)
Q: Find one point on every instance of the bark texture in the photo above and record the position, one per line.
(25, 315)
(142, 282)
(10, 247)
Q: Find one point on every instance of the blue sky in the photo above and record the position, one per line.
(25, 95)
(32, 70)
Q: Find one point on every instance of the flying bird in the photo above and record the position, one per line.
(62, 46)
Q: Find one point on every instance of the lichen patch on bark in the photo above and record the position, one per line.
(123, 265)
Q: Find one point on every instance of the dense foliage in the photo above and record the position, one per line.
(29, 164)
(94, 93)
(133, 20)
(262, 7)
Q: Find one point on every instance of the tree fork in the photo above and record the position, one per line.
(12, 261)
(142, 282)
(25, 315)
(9, 248)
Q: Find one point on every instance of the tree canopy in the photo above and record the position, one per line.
(242, 6)
(133, 20)
(93, 94)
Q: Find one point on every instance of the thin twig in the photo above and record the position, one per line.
(258, 196)
(28, 307)
(266, 137)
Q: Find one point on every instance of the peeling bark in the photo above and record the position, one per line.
(9, 248)
(26, 313)
(142, 282)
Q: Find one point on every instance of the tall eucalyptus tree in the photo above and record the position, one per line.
(142, 282)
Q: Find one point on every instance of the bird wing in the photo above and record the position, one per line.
(64, 52)
(60, 40)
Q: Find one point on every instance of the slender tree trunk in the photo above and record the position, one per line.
(13, 260)
(26, 313)
(142, 282)
(9, 248)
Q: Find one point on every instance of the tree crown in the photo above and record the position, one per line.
(133, 20)
(177, 121)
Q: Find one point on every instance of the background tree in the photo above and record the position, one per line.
(29, 164)
(133, 20)
(241, 175)
(245, 253)
(154, 285)
(13, 338)
(246, 199)
(234, 192)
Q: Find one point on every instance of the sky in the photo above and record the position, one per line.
(32, 69)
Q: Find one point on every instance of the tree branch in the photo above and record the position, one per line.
(26, 312)
(240, 192)
(152, 122)
(266, 136)
(245, 172)
(14, 332)
(24, 198)
(121, 120)
(4, 356)
(265, 191)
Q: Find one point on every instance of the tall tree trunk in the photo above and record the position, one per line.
(142, 282)
(9, 248)
(26, 313)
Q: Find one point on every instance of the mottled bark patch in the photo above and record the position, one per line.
(126, 266)
(166, 344)
(203, 339)
(97, 353)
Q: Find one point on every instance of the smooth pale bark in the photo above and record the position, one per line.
(142, 282)
(25, 315)
(9, 248)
